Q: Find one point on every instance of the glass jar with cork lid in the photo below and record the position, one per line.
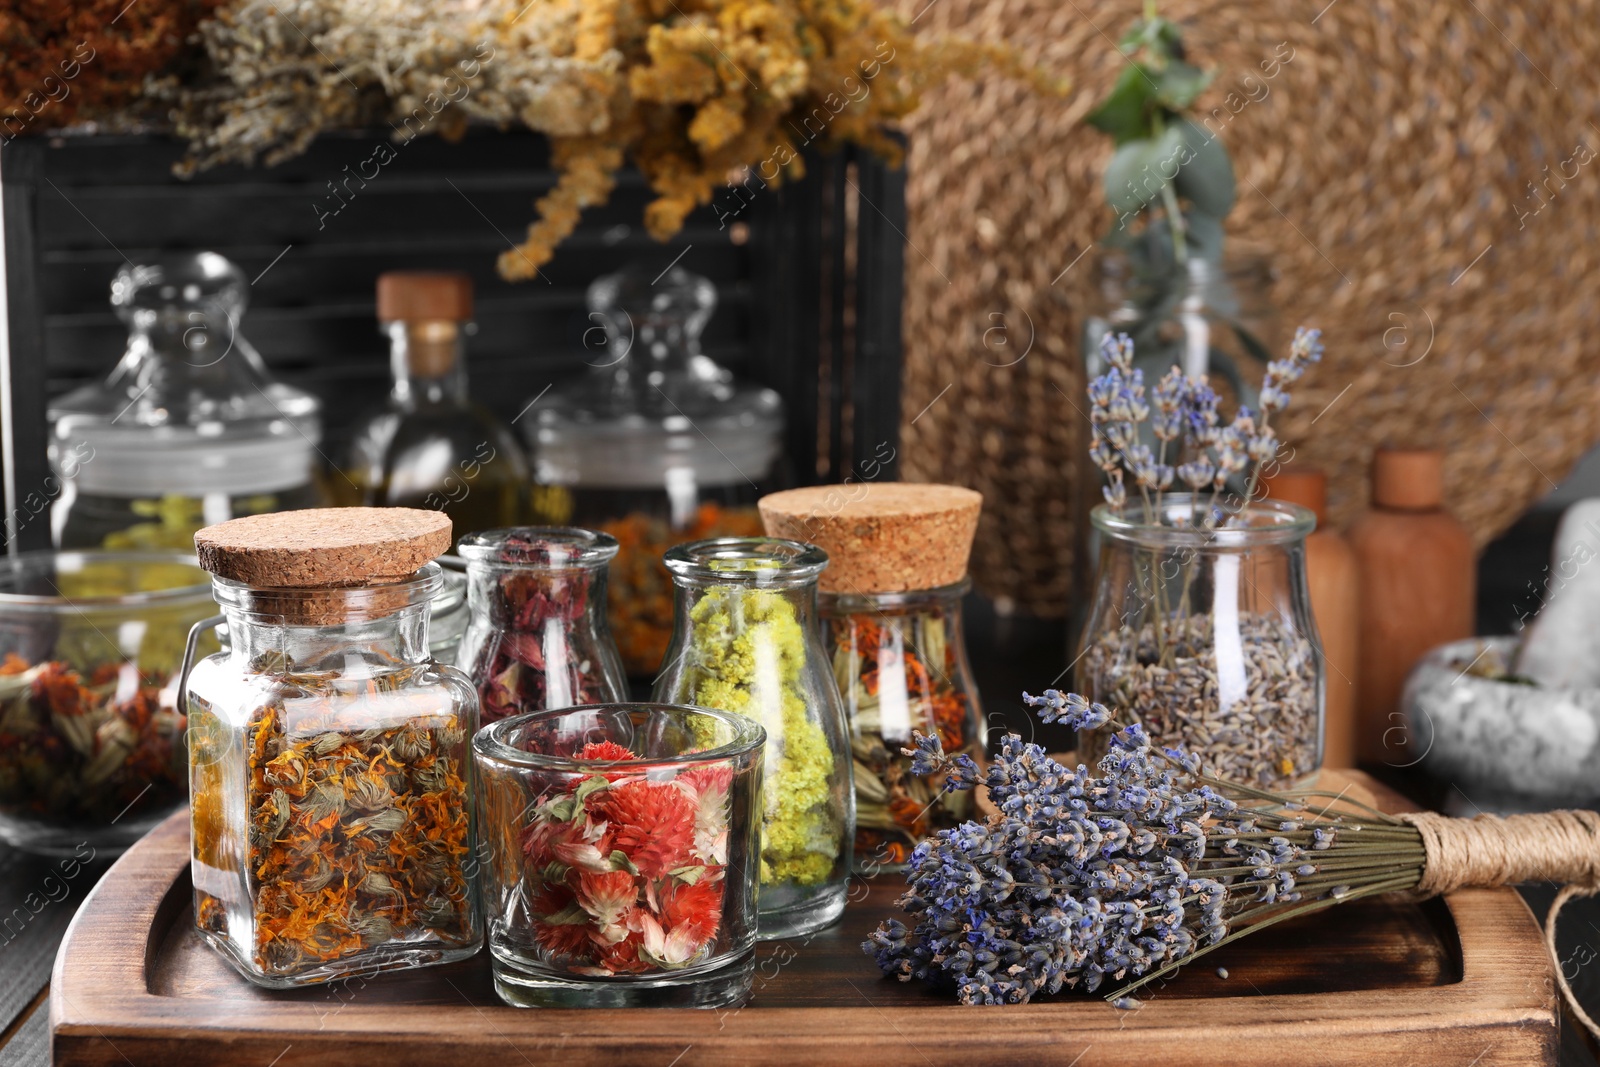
(431, 446)
(330, 755)
(891, 618)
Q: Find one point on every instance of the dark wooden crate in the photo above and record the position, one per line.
(809, 276)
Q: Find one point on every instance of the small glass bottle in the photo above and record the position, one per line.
(891, 611)
(189, 428)
(655, 444)
(330, 756)
(432, 447)
(538, 638)
(746, 641)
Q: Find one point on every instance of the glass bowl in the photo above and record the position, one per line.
(91, 744)
(619, 846)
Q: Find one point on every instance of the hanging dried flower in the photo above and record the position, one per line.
(65, 62)
(690, 91)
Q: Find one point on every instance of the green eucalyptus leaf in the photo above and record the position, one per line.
(1140, 169)
(1125, 114)
(1206, 177)
(1179, 83)
(1203, 233)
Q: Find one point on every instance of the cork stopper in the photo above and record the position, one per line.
(1408, 479)
(881, 537)
(1306, 486)
(324, 548)
(420, 296)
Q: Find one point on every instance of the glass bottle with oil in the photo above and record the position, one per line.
(431, 446)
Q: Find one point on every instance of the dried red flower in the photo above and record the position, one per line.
(653, 822)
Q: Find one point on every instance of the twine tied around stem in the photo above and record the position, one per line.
(1490, 850)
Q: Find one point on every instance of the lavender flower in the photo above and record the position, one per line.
(1122, 877)
(1206, 453)
(1171, 398)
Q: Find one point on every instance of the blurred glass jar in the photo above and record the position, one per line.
(619, 845)
(448, 615)
(189, 429)
(91, 742)
(747, 641)
(538, 638)
(655, 445)
(900, 660)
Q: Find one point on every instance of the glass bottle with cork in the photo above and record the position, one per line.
(330, 754)
(189, 428)
(432, 447)
(890, 604)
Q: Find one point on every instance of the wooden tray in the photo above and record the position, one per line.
(1460, 980)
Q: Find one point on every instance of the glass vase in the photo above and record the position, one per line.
(538, 638)
(619, 846)
(900, 661)
(746, 641)
(1201, 630)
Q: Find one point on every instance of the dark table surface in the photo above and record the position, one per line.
(1009, 655)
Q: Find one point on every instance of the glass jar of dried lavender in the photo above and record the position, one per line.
(330, 755)
(1201, 629)
(746, 641)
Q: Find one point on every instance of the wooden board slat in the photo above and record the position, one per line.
(1461, 980)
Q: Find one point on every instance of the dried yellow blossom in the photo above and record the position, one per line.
(689, 91)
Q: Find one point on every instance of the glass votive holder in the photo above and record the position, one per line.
(620, 848)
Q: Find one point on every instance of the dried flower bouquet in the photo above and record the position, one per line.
(1116, 879)
(701, 95)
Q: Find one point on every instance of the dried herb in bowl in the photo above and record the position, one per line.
(91, 747)
(81, 750)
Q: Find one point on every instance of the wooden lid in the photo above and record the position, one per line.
(881, 537)
(324, 547)
(1408, 479)
(1305, 486)
(414, 296)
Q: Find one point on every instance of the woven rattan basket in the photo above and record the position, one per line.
(1415, 171)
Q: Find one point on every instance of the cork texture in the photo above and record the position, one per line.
(881, 537)
(323, 547)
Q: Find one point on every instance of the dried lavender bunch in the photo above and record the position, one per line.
(1124, 877)
(1192, 446)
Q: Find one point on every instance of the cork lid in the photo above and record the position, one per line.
(881, 537)
(1306, 486)
(1408, 479)
(324, 547)
(416, 296)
